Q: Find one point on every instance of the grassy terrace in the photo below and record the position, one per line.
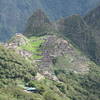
(33, 46)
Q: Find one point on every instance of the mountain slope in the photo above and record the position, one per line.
(49, 50)
(12, 66)
(93, 20)
(70, 75)
(38, 24)
(76, 29)
(14, 13)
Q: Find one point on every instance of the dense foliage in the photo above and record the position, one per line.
(78, 87)
(15, 75)
(13, 66)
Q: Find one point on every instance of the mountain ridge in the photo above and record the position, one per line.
(11, 22)
(73, 27)
(93, 18)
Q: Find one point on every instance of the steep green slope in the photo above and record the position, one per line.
(13, 66)
(77, 78)
(15, 72)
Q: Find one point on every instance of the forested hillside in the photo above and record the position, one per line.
(54, 66)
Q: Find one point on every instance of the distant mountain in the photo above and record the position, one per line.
(14, 13)
(84, 32)
(38, 24)
(76, 29)
(93, 20)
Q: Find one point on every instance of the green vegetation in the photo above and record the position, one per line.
(80, 87)
(15, 75)
(15, 93)
(12, 66)
(33, 46)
